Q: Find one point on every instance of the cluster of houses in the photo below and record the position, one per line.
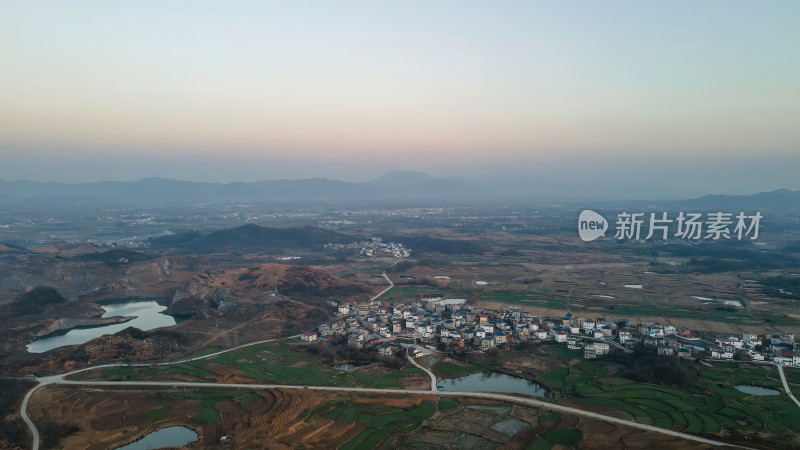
(667, 341)
(374, 246)
(453, 325)
(780, 349)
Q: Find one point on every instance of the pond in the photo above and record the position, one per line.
(149, 315)
(757, 390)
(165, 437)
(349, 367)
(494, 382)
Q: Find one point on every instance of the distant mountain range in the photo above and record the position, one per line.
(399, 187)
(778, 199)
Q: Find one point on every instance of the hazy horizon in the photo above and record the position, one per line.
(659, 99)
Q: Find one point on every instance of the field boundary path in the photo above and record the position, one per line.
(61, 380)
(58, 379)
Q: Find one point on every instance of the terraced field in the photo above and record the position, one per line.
(380, 422)
(712, 406)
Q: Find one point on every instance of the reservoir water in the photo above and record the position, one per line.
(165, 437)
(149, 315)
(757, 390)
(494, 382)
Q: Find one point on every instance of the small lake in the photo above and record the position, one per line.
(149, 315)
(757, 390)
(494, 382)
(165, 437)
(349, 367)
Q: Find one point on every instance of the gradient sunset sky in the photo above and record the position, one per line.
(226, 91)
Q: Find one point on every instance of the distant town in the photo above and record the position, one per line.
(374, 246)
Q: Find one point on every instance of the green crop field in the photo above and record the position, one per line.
(447, 404)
(392, 379)
(563, 436)
(712, 405)
(154, 415)
(524, 298)
(555, 377)
(284, 362)
(454, 370)
(409, 293)
(540, 444)
(208, 415)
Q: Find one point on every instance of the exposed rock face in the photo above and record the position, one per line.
(144, 275)
(28, 328)
(195, 297)
(77, 278)
(127, 345)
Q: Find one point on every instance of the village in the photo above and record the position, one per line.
(436, 324)
(374, 246)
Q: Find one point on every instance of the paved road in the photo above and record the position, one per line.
(391, 285)
(430, 374)
(504, 397)
(786, 385)
(780, 372)
(24, 413)
(60, 379)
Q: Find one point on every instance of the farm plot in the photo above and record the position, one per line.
(713, 405)
(380, 421)
(275, 362)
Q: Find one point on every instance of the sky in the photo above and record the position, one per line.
(684, 95)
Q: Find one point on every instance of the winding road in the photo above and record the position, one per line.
(62, 380)
(786, 385)
(391, 285)
(505, 397)
(430, 374)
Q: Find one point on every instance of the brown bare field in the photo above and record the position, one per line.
(109, 418)
(604, 435)
(87, 418)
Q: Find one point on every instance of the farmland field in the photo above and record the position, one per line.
(712, 405)
(282, 362)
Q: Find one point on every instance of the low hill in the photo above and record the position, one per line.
(251, 237)
(8, 248)
(259, 285)
(35, 301)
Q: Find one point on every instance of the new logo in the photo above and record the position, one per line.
(591, 225)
